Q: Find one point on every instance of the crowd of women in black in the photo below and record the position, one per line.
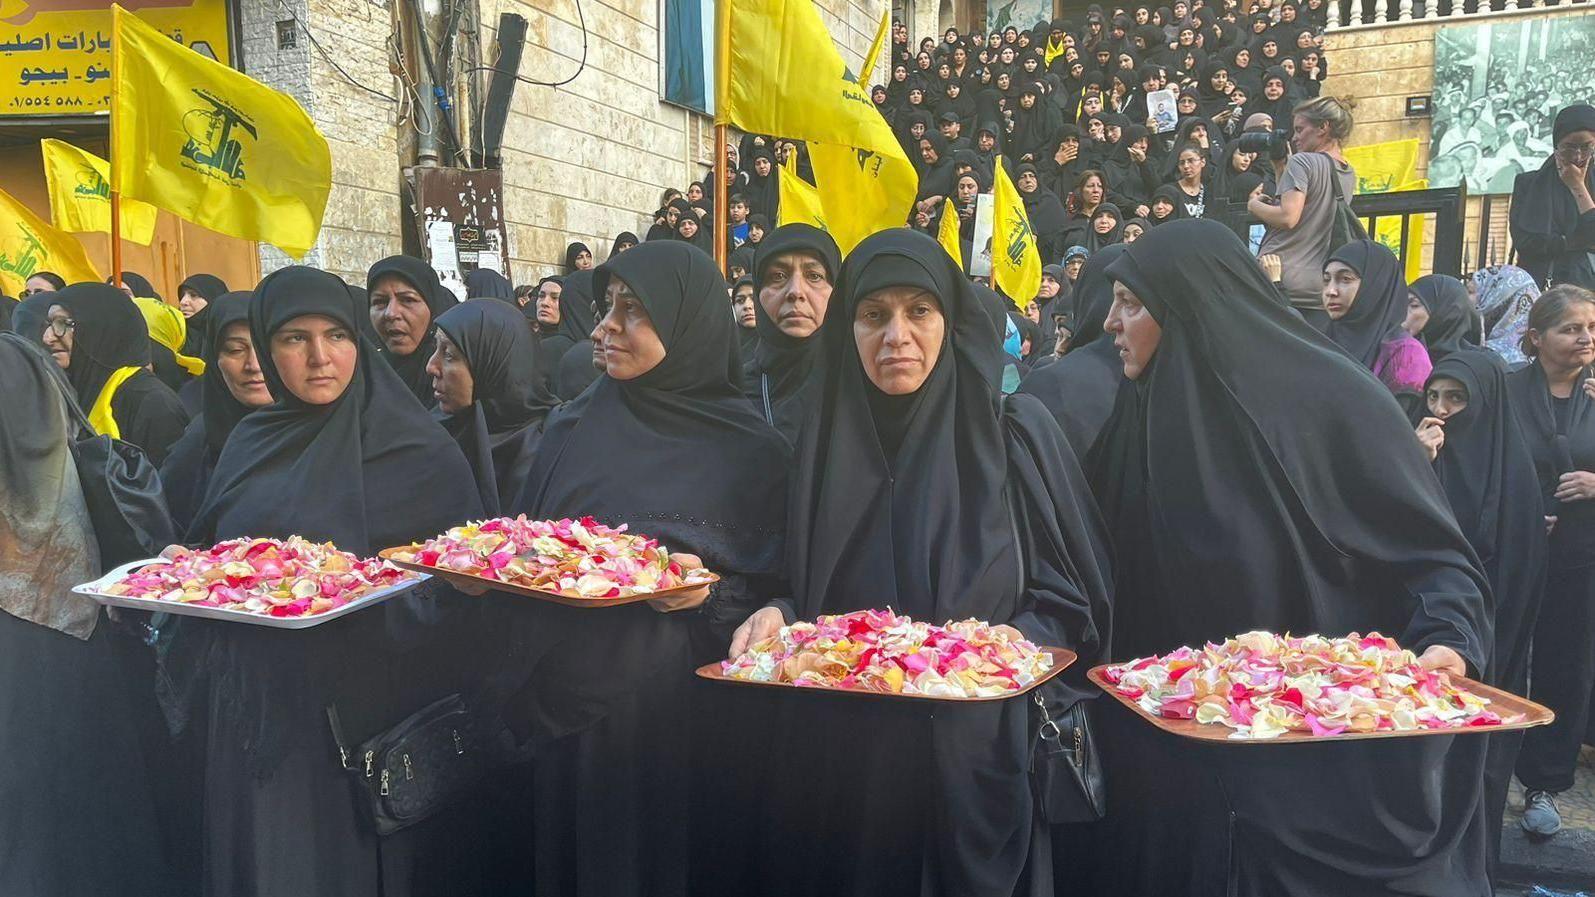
(1194, 459)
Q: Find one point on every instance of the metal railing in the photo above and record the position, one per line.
(1448, 205)
(1345, 14)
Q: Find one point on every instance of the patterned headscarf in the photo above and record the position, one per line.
(1505, 295)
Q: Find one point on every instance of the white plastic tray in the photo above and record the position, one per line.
(95, 591)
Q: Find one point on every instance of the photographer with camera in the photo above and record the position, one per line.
(1300, 219)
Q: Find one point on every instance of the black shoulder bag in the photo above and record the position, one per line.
(1065, 768)
(123, 493)
(418, 767)
(1346, 227)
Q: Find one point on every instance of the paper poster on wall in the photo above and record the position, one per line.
(980, 254)
(1497, 88)
(1021, 14)
(686, 54)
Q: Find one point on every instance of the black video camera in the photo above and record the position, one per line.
(1276, 143)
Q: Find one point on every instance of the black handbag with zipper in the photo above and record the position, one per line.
(413, 770)
(123, 494)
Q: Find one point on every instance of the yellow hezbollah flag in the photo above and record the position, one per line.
(212, 145)
(800, 203)
(1387, 230)
(875, 48)
(1015, 261)
(80, 194)
(947, 234)
(1384, 166)
(780, 74)
(28, 246)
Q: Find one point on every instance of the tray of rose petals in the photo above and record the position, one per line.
(877, 652)
(290, 584)
(579, 563)
(1262, 688)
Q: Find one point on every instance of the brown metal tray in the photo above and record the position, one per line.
(1061, 659)
(1503, 703)
(478, 582)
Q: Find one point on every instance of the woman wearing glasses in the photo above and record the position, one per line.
(1553, 212)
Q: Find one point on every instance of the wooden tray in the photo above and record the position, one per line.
(179, 609)
(1504, 703)
(1061, 659)
(478, 582)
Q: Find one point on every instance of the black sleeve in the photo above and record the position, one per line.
(149, 415)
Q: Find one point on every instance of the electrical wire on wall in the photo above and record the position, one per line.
(581, 65)
(328, 57)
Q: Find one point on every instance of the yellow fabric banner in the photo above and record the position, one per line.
(1384, 166)
(1015, 260)
(212, 145)
(28, 246)
(875, 48)
(800, 203)
(947, 234)
(779, 73)
(80, 194)
(1388, 231)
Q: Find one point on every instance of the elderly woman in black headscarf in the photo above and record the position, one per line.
(491, 395)
(232, 386)
(1043, 209)
(918, 487)
(406, 298)
(194, 296)
(668, 412)
(485, 283)
(793, 276)
(74, 820)
(99, 336)
(1485, 466)
(1207, 549)
(345, 454)
(1553, 214)
(1365, 298)
(1079, 389)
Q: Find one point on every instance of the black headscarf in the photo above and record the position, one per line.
(1553, 447)
(1487, 471)
(140, 285)
(748, 340)
(1095, 242)
(210, 288)
(1546, 223)
(1376, 314)
(784, 362)
(904, 501)
(499, 431)
(1320, 517)
(1453, 319)
(187, 470)
(1079, 389)
(110, 334)
(485, 283)
(420, 275)
(31, 315)
(571, 251)
(623, 241)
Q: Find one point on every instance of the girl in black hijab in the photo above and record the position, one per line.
(785, 362)
(98, 334)
(75, 821)
(578, 258)
(1553, 216)
(1208, 547)
(943, 503)
(1079, 389)
(485, 283)
(1557, 416)
(225, 399)
(392, 314)
(1370, 328)
(194, 296)
(1488, 475)
(366, 468)
(491, 395)
(717, 490)
(1452, 320)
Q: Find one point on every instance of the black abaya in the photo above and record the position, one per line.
(499, 430)
(784, 363)
(1080, 388)
(369, 470)
(1376, 314)
(611, 821)
(1552, 237)
(1236, 506)
(423, 278)
(1453, 320)
(904, 501)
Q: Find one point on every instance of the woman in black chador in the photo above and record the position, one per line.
(1237, 506)
(918, 487)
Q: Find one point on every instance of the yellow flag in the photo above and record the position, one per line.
(212, 145)
(80, 194)
(1015, 261)
(1384, 166)
(780, 74)
(1388, 231)
(28, 246)
(875, 48)
(800, 203)
(947, 234)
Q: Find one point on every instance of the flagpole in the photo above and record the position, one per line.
(722, 199)
(110, 150)
(116, 237)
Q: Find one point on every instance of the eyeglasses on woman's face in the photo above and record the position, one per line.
(1576, 150)
(61, 326)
